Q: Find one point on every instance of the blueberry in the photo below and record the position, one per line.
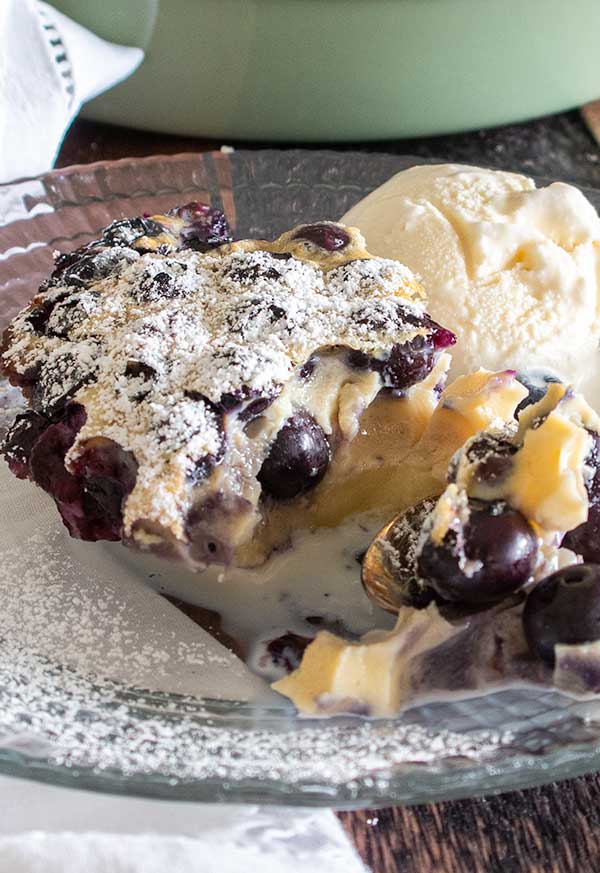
(308, 368)
(48, 455)
(157, 286)
(201, 469)
(498, 543)
(107, 474)
(20, 440)
(298, 458)
(248, 273)
(137, 370)
(410, 362)
(536, 383)
(82, 268)
(407, 363)
(255, 408)
(585, 539)
(90, 498)
(68, 315)
(325, 235)
(563, 608)
(126, 231)
(491, 459)
(58, 380)
(204, 228)
(287, 650)
(39, 315)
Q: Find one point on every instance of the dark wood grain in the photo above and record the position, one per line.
(555, 829)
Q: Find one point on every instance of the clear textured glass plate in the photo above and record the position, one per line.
(59, 726)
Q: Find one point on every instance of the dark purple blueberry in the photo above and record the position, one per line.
(361, 361)
(205, 226)
(276, 313)
(137, 369)
(89, 499)
(108, 475)
(563, 608)
(287, 650)
(20, 440)
(85, 266)
(297, 460)
(255, 408)
(246, 274)
(39, 316)
(126, 231)
(201, 468)
(48, 456)
(325, 234)
(102, 458)
(410, 362)
(66, 260)
(228, 401)
(307, 369)
(156, 287)
(498, 543)
(67, 316)
(536, 383)
(491, 457)
(585, 539)
(195, 395)
(406, 363)
(247, 400)
(58, 380)
(411, 589)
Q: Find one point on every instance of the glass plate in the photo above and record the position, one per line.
(59, 726)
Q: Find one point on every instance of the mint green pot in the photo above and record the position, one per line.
(335, 70)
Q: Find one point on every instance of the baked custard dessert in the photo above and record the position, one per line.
(257, 409)
(490, 589)
(203, 399)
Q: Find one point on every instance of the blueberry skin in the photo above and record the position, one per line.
(585, 539)
(536, 383)
(563, 608)
(325, 235)
(496, 536)
(20, 439)
(298, 458)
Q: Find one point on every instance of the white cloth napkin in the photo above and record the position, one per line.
(49, 66)
(77, 832)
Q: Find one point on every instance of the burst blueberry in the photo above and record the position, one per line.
(563, 609)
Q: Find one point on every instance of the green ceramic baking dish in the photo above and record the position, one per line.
(345, 69)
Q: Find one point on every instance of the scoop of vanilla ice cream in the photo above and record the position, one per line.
(512, 269)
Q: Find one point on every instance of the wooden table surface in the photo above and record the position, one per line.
(555, 828)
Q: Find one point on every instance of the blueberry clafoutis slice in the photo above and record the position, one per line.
(196, 397)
